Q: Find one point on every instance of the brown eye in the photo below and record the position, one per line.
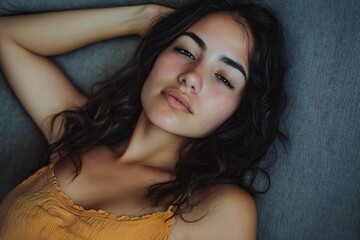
(185, 52)
(224, 80)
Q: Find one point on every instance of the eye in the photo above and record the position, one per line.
(224, 80)
(185, 52)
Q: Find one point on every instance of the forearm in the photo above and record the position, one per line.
(55, 33)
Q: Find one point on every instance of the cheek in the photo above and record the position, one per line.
(164, 67)
(159, 74)
(163, 74)
(218, 110)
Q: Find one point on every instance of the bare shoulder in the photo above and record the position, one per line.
(226, 197)
(228, 212)
(234, 211)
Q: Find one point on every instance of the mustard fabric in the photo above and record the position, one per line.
(37, 209)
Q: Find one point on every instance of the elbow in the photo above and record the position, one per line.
(5, 26)
(5, 34)
(4, 38)
(3, 29)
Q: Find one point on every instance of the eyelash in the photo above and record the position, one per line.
(224, 80)
(188, 54)
(185, 52)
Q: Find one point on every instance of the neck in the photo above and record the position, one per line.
(151, 146)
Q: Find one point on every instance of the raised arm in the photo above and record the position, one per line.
(26, 41)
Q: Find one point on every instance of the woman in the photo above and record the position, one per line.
(169, 147)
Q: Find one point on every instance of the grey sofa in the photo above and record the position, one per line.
(315, 191)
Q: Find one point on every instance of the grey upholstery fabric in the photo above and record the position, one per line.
(316, 188)
(315, 192)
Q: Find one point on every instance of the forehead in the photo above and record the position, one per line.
(221, 22)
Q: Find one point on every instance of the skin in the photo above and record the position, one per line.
(163, 127)
(151, 152)
(196, 73)
(193, 72)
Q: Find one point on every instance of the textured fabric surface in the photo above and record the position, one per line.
(316, 187)
(315, 192)
(44, 212)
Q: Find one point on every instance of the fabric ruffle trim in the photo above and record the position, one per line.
(101, 213)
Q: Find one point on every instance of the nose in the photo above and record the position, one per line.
(191, 80)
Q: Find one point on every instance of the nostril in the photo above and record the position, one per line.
(190, 82)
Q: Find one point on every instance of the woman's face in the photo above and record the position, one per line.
(197, 82)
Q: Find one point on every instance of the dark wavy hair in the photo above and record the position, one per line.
(233, 153)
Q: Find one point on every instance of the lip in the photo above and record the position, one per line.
(177, 100)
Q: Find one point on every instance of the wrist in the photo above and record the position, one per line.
(138, 19)
(145, 17)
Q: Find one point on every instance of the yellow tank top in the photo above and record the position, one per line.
(38, 209)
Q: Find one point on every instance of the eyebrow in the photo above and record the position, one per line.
(197, 39)
(234, 64)
(226, 60)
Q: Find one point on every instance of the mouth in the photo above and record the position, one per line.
(177, 100)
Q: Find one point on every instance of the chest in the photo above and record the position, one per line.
(104, 184)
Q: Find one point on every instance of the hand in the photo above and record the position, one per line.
(151, 13)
